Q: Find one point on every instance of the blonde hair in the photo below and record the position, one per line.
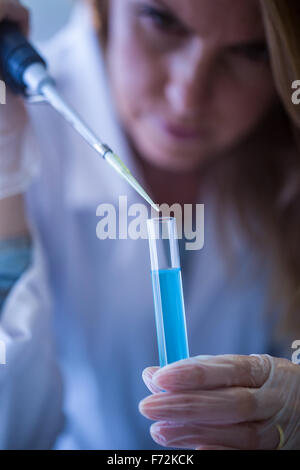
(282, 20)
(264, 186)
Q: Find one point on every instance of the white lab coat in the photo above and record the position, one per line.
(79, 325)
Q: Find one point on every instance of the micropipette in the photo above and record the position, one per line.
(25, 71)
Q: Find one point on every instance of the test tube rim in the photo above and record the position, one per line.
(153, 223)
(160, 219)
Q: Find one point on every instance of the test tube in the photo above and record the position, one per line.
(167, 290)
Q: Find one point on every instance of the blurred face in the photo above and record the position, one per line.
(190, 78)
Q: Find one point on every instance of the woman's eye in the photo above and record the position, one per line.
(253, 52)
(161, 19)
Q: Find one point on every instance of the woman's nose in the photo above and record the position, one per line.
(190, 80)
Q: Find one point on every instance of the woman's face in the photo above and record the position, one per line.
(190, 78)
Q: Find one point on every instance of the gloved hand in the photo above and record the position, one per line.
(225, 402)
(16, 167)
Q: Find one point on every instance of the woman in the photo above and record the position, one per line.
(193, 100)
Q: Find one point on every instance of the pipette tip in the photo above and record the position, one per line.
(119, 166)
(133, 182)
(152, 204)
(155, 207)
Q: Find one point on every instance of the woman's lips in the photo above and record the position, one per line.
(180, 132)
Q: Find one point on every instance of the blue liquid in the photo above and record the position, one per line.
(169, 315)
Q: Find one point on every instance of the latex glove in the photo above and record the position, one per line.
(17, 167)
(224, 402)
